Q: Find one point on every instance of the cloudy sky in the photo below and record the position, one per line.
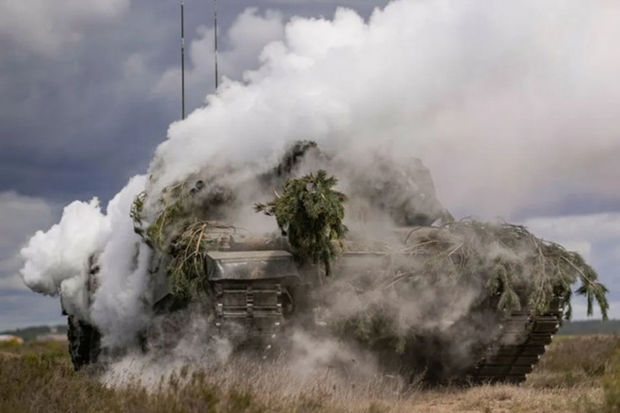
(88, 89)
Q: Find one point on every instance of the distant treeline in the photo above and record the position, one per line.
(590, 327)
(31, 333)
(568, 328)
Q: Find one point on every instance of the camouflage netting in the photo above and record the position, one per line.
(441, 280)
(499, 267)
(511, 263)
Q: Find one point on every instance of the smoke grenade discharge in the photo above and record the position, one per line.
(474, 89)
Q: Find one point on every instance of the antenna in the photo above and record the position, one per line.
(217, 77)
(182, 59)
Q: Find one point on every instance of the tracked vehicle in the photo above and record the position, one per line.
(256, 291)
(260, 293)
(497, 313)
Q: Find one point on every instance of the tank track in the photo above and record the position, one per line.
(256, 306)
(84, 342)
(522, 343)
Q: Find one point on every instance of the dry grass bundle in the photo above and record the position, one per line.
(187, 268)
(181, 234)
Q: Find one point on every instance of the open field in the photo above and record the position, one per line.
(576, 374)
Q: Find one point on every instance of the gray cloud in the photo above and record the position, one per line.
(20, 308)
(47, 27)
(9, 277)
(81, 122)
(20, 217)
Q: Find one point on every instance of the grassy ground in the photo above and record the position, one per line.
(576, 374)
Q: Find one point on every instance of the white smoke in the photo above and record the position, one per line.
(475, 89)
(120, 306)
(502, 100)
(185, 340)
(58, 259)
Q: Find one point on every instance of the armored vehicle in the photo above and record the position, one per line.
(262, 292)
(257, 290)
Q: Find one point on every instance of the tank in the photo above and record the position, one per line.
(257, 291)
(263, 292)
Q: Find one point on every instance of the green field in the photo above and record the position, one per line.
(578, 373)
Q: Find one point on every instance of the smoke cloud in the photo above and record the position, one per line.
(502, 100)
(62, 252)
(469, 87)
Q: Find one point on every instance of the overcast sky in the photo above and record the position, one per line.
(88, 89)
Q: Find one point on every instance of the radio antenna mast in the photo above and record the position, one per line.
(182, 59)
(217, 77)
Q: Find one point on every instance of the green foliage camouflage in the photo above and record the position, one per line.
(310, 213)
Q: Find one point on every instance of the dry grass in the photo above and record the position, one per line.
(576, 374)
(575, 361)
(501, 398)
